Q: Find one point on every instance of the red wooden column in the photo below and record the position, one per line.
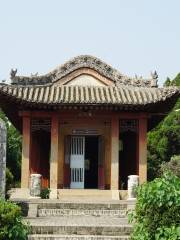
(54, 155)
(115, 153)
(101, 160)
(142, 149)
(26, 147)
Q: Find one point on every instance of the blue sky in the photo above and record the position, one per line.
(134, 36)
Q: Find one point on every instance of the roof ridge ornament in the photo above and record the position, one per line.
(13, 73)
(79, 62)
(154, 79)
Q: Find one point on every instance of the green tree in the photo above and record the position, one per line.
(11, 223)
(164, 140)
(157, 211)
(14, 142)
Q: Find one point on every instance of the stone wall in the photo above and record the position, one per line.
(3, 134)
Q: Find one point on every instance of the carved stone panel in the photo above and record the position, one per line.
(3, 134)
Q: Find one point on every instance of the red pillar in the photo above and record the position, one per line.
(54, 155)
(142, 150)
(115, 153)
(101, 155)
(26, 146)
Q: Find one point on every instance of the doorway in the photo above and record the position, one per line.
(91, 162)
(40, 155)
(127, 157)
(84, 156)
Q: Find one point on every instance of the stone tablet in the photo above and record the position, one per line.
(3, 134)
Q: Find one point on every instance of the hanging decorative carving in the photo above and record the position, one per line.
(41, 124)
(129, 125)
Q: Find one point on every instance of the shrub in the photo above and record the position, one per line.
(173, 165)
(157, 211)
(9, 179)
(45, 193)
(11, 225)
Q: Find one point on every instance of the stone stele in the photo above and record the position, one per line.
(3, 134)
(133, 182)
(35, 185)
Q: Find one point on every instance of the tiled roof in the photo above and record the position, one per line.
(59, 95)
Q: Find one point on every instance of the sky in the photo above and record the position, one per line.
(133, 36)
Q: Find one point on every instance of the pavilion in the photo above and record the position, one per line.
(84, 125)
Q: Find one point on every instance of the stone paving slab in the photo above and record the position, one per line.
(75, 237)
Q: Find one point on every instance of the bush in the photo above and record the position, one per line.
(9, 179)
(173, 165)
(11, 225)
(45, 193)
(157, 211)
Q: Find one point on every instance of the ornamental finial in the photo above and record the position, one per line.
(154, 75)
(13, 73)
(154, 79)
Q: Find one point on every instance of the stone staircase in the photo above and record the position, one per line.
(78, 220)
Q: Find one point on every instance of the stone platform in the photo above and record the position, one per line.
(78, 220)
(73, 194)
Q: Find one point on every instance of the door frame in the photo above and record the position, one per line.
(101, 160)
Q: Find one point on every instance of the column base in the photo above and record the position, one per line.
(115, 194)
(53, 193)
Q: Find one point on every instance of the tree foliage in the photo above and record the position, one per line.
(173, 165)
(164, 140)
(11, 224)
(157, 211)
(14, 142)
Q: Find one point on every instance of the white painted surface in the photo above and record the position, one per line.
(86, 80)
(77, 150)
(133, 182)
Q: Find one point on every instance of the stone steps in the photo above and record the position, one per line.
(80, 220)
(44, 212)
(74, 237)
(81, 209)
(108, 205)
(84, 193)
(81, 225)
(120, 230)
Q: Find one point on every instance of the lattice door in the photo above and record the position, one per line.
(77, 149)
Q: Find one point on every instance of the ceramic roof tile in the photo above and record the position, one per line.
(88, 94)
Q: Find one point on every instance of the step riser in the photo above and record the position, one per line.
(83, 230)
(77, 238)
(82, 206)
(79, 212)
